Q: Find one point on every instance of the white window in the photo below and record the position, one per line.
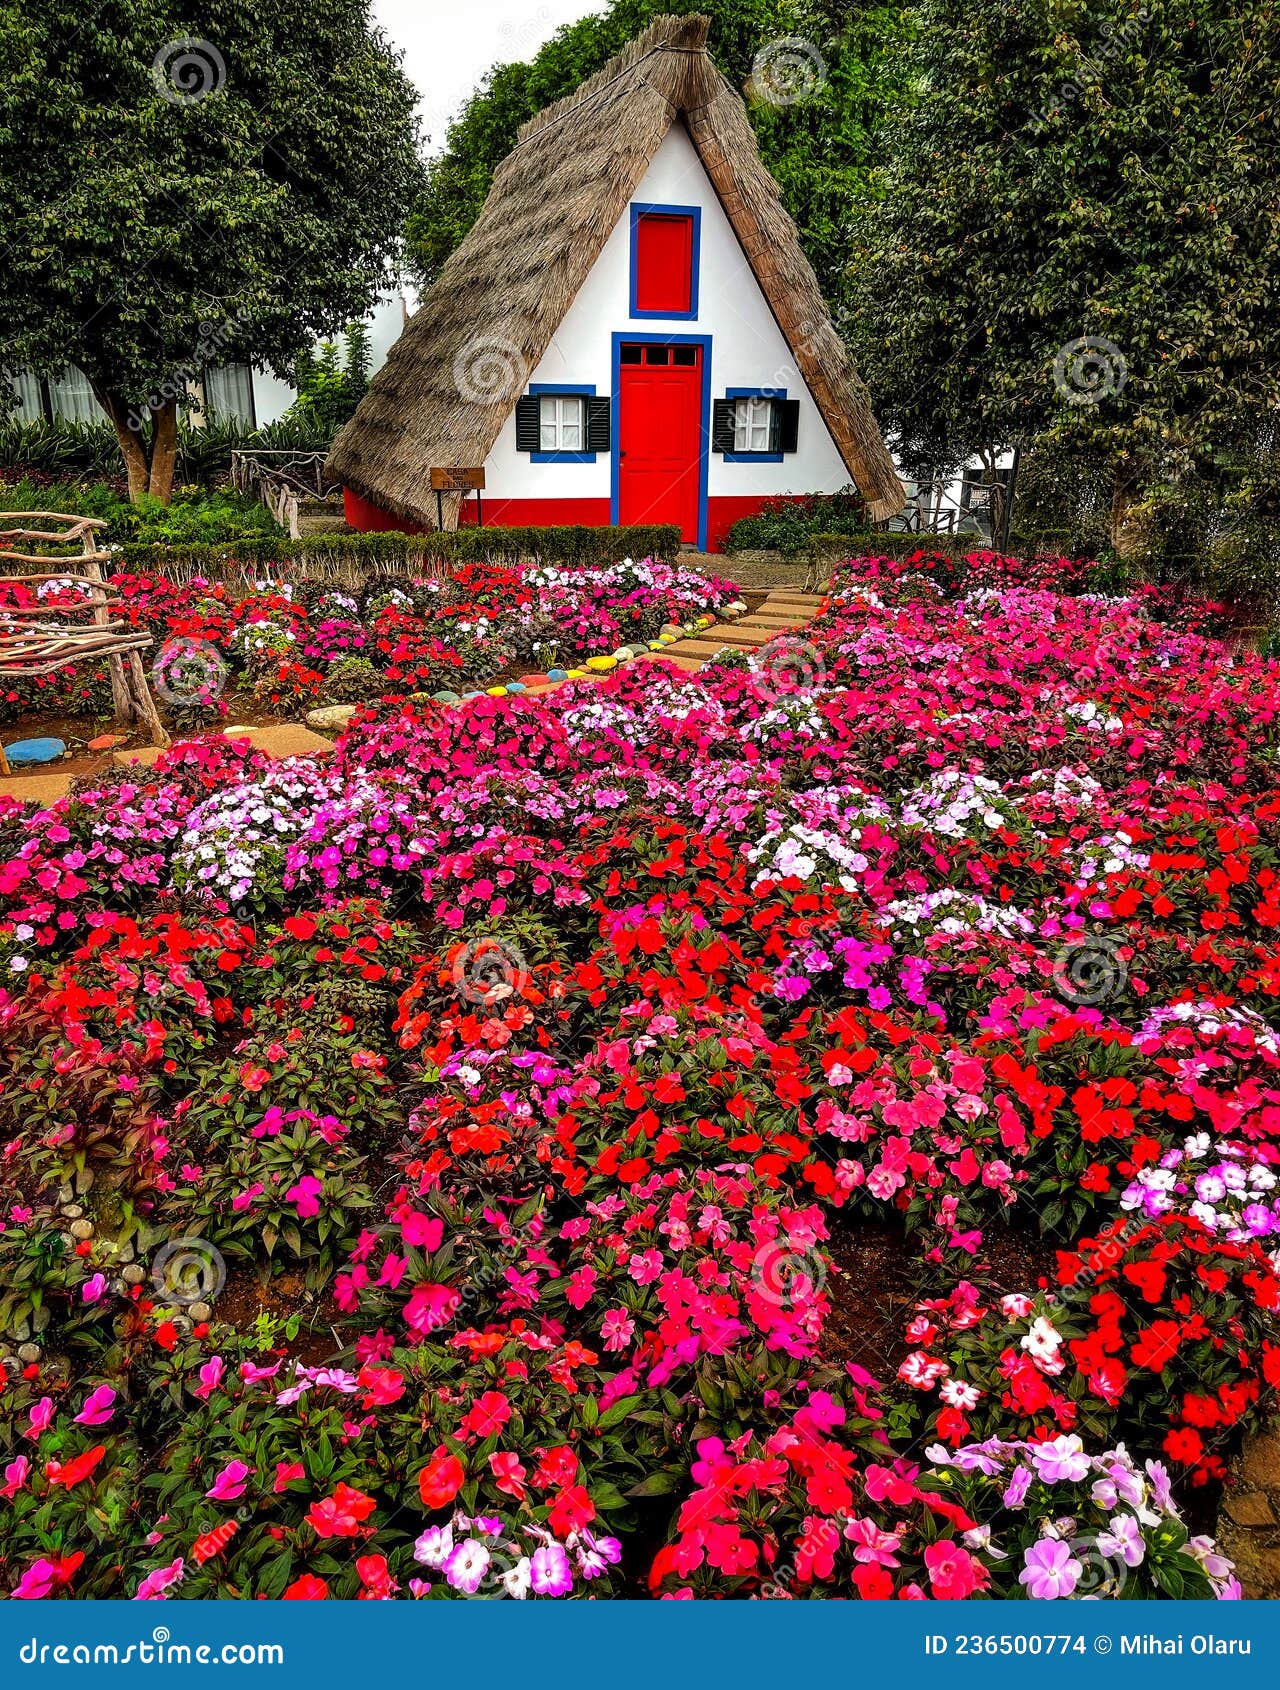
(228, 393)
(752, 424)
(561, 422)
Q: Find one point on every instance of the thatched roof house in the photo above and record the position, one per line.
(513, 304)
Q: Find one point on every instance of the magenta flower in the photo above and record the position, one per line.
(98, 1408)
(549, 1571)
(229, 1483)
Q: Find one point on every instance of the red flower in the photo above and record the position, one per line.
(1182, 1444)
(340, 1515)
(308, 1588)
(441, 1479)
(1156, 1347)
(78, 1468)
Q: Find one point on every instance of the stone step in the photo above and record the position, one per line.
(770, 630)
(741, 633)
(36, 789)
(683, 659)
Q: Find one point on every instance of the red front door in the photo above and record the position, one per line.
(660, 435)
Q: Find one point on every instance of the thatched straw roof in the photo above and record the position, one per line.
(453, 377)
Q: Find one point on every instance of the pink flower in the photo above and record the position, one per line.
(93, 1288)
(229, 1483)
(1050, 1570)
(549, 1571)
(98, 1407)
(305, 1196)
(39, 1417)
(155, 1586)
(210, 1378)
(953, 1572)
(15, 1476)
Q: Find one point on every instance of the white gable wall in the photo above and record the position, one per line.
(747, 350)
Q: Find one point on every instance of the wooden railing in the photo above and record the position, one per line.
(281, 478)
(38, 641)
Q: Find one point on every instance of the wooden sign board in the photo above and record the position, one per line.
(455, 478)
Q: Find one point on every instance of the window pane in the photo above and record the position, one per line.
(228, 392)
(685, 355)
(656, 355)
(71, 398)
(629, 355)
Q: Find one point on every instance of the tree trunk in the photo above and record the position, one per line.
(1130, 524)
(133, 445)
(164, 451)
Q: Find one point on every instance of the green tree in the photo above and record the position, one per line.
(169, 202)
(330, 382)
(820, 145)
(1075, 239)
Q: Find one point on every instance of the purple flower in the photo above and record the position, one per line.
(549, 1571)
(1050, 1570)
(1060, 1458)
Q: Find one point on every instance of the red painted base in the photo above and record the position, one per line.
(722, 513)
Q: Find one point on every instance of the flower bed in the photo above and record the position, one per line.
(285, 648)
(425, 1166)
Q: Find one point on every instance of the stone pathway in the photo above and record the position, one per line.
(1249, 1519)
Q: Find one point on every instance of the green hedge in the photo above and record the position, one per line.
(329, 553)
(881, 543)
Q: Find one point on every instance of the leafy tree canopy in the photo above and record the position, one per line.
(819, 140)
(184, 185)
(1071, 169)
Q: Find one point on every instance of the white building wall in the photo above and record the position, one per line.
(747, 350)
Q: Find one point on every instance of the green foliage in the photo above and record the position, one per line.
(331, 383)
(820, 148)
(352, 680)
(90, 450)
(193, 517)
(1071, 168)
(789, 525)
(412, 551)
(154, 224)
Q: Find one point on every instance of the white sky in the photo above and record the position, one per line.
(448, 47)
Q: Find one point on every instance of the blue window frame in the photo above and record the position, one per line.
(633, 337)
(694, 213)
(577, 389)
(754, 393)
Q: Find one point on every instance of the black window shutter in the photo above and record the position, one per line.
(597, 423)
(528, 422)
(722, 425)
(784, 425)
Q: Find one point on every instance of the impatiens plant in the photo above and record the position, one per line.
(443, 1169)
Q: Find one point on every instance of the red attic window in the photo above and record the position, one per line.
(664, 261)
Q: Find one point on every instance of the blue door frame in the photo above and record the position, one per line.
(643, 338)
